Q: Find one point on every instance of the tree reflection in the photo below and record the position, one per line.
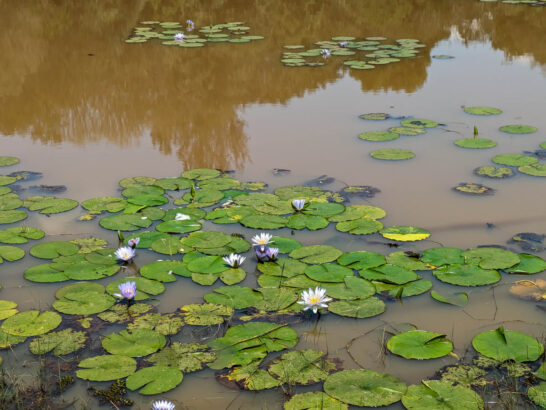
(69, 76)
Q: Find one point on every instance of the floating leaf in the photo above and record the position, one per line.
(9, 202)
(482, 110)
(458, 299)
(82, 299)
(154, 380)
(125, 222)
(404, 233)
(301, 367)
(264, 221)
(419, 344)
(189, 357)
(514, 160)
(145, 287)
(315, 254)
(529, 264)
(361, 260)
(44, 274)
(174, 184)
(275, 299)
(392, 154)
(285, 245)
(63, 342)
(518, 129)
(236, 297)
(475, 143)
(167, 245)
(401, 291)
(205, 239)
(420, 123)
(375, 116)
(491, 258)
(537, 170)
(355, 212)
(538, 394)
(7, 161)
(364, 387)
(163, 270)
(505, 345)
(328, 272)
(494, 172)
(140, 342)
(206, 314)
(7, 309)
(11, 253)
(378, 136)
(362, 226)
(106, 367)
(243, 344)
(106, 203)
(359, 308)
(466, 275)
(301, 221)
(49, 204)
(473, 189)
(403, 260)
(50, 250)
(201, 173)
(436, 394)
(31, 323)
(8, 341)
(11, 216)
(407, 130)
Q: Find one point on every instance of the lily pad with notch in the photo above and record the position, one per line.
(420, 123)
(154, 380)
(314, 400)
(420, 344)
(475, 143)
(106, 367)
(409, 131)
(502, 345)
(236, 297)
(140, 342)
(482, 110)
(13, 215)
(11, 253)
(187, 357)
(392, 154)
(145, 287)
(49, 204)
(528, 265)
(442, 256)
(458, 299)
(436, 394)
(302, 367)
(357, 308)
(62, 342)
(123, 222)
(536, 170)
(491, 258)
(404, 233)
(315, 254)
(31, 323)
(466, 275)
(514, 160)
(206, 314)
(6, 161)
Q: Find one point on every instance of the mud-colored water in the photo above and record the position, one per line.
(87, 109)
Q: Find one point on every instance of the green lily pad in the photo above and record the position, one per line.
(7, 309)
(480, 110)
(154, 380)
(364, 387)
(442, 256)
(11, 253)
(107, 203)
(82, 299)
(90, 271)
(174, 184)
(537, 170)
(378, 136)
(205, 239)
(189, 357)
(5, 180)
(201, 174)
(529, 264)
(358, 308)
(361, 260)
(106, 367)
(502, 345)
(328, 272)
(494, 172)
(376, 116)
(404, 233)
(409, 262)
(11, 216)
(124, 222)
(392, 154)
(8, 341)
(146, 238)
(251, 377)
(518, 129)
(362, 226)
(354, 212)
(164, 271)
(538, 394)
(314, 400)
(31, 323)
(316, 254)
(140, 342)
(49, 204)
(285, 245)
(206, 314)
(285, 267)
(120, 313)
(167, 324)
(311, 222)
(7, 161)
(219, 183)
(208, 264)
(138, 181)
(491, 258)
(473, 189)
(458, 299)
(145, 287)
(179, 226)
(410, 131)
(420, 122)
(414, 288)
(92, 246)
(63, 342)
(54, 249)
(167, 245)
(441, 395)
(475, 143)
(419, 344)
(301, 367)
(45, 273)
(264, 221)
(243, 344)
(514, 160)
(9, 201)
(275, 299)
(236, 297)
(390, 274)
(466, 275)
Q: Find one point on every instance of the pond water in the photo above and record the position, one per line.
(87, 109)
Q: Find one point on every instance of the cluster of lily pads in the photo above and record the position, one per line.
(292, 279)
(172, 33)
(363, 54)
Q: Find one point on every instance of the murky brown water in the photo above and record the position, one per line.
(87, 110)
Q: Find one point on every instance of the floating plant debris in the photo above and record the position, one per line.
(170, 34)
(494, 172)
(362, 54)
(443, 57)
(376, 116)
(473, 189)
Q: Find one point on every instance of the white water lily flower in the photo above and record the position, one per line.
(262, 240)
(234, 260)
(325, 52)
(125, 253)
(162, 405)
(313, 299)
(298, 204)
(181, 217)
(179, 36)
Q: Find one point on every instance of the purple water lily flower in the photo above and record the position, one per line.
(298, 204)
(133, 242)
(179, 36)
(261, 253)
(127, 290)
(272, 253)
(125, 253)
(190, 25)
(343, 44)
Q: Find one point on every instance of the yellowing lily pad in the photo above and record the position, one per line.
(404, 233)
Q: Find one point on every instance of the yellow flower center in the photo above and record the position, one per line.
(313, 300)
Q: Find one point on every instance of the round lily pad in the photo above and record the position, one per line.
(7, 309)
(328, 272)
(537, 170)
(264, 221)
(285, 245)
(494, 172)
(518, 129)
(236, 297)
(359, 308)
(82, 299)
(441, 395)
(315, 254)
(314, 400)
(106, 367)
(7, 161)
(529, 264)
(408, 130)
(378, 136)
(418, 123)
(361, 260)
(206, 314)
(404, 233)
(201, 173)
(538, 394)
(123, 222)
(376, 116)
(364, 387)
(482, 110)
(502, 345)
(154, 380)
(54, 249)
(419, 344)
(466, 275)
(31, 323)
(165, 271)
(362, 226)
(12, 215)
(491, 258)
(63, 342)
(392, 154)
(11, 253)
(442, 256)
(49, 204)
(514, 160)
(475, 143)
(140, 342)
(107, 203)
